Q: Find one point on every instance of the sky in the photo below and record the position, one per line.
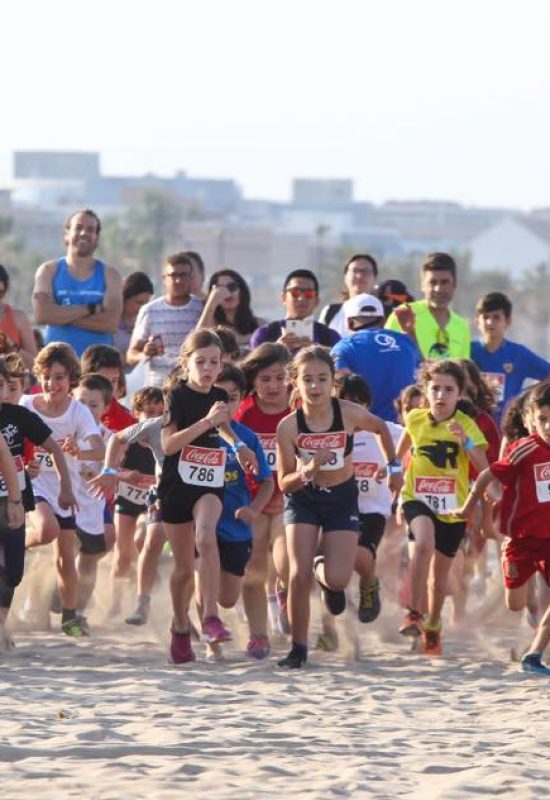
(431, 99)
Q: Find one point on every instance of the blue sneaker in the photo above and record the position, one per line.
(532, 663)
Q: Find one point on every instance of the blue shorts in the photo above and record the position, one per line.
(332, 509)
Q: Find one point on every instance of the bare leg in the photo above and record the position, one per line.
(206, 513)
(422, 553)
(302, 546)
(182, 540)
(255, 576)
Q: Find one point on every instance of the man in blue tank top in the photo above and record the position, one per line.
(78, 297)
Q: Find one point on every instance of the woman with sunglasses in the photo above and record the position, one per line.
(228, 304)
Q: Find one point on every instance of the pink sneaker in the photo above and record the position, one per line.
(258, 647)
(180, 648)
(213, 630)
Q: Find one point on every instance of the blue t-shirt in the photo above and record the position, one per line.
(69, 291)
(507, 368)
(386, 360)
(236, 493)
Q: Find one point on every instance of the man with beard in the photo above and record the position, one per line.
(78, 297)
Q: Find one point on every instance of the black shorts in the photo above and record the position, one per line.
(372, 530)
(448, 535)
(333, 509)
(129, 509)
(65, 523)
(234, 556)
(91, 544)
(176, 510)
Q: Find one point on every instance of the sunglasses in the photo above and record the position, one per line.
(396, 298)
(441, 346)
(232, 286)
(296, 292)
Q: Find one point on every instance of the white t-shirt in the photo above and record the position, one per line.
(78, 422)
(374, 497)
(89, 516)
(172, 323)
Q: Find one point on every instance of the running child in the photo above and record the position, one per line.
(443, 440)
(264, 407)
(57, 369)
(241, 508)
(525, 522)
(315, 471)
(192, 483)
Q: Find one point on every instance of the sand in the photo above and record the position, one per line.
(107, 717)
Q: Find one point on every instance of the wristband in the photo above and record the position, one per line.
(92, 307)
(109, 471)
(238, 446)
(468, 444)
(394, 466)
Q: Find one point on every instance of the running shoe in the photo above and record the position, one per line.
(335, 601)
(282, 601)
(296, 658)
(213, 630)
(431, 641)
(369, 599)
(531, 663)
(74, 627)
(181, 651)
(328, 642)
(412, 624)
(258, 647)
(141, 614)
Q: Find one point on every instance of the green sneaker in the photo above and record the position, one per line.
(74, 627)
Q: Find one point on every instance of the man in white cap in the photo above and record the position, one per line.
(387, 360)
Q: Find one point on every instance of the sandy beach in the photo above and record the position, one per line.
(108, 717)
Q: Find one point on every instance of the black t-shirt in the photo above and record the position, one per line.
(185, 406)
(16, 424)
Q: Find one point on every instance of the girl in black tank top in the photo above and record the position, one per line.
(315, 472)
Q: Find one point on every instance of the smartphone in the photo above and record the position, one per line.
(301, 327)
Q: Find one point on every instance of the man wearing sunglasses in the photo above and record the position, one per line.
(438, 330)
(162, 324)
(300, 296)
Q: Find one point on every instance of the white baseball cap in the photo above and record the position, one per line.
(363, 305)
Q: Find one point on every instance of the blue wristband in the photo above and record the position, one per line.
(237, 446)
(468, 444)
(109, 471)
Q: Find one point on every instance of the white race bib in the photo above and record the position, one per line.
(134, 494)
(364, 472)
(269, 446)
(45, 461)
(439, 494)
(309, 443)
(202, 466)
(542, 482)
(20, 467)
(497, 382)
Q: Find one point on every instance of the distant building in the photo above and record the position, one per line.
(322, 193)
(53, 164)
(514, 244)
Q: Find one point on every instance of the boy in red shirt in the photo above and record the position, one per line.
(525, 476)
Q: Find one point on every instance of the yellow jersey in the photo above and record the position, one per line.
(437, 474)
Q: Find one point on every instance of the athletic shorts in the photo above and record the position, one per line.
(234, 556)
(521, 558)
(372, 530)
(448, 535)
(333, 509)
(177, 510)
(108, 514)
(91, 544)
(129, 509)
(65, 523)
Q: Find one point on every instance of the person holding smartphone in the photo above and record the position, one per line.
(300, 297)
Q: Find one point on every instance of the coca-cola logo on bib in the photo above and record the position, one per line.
(268, 441)
(322, 441)
(542, 472)
(203, 455)
(365, 469)
(435, 486)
